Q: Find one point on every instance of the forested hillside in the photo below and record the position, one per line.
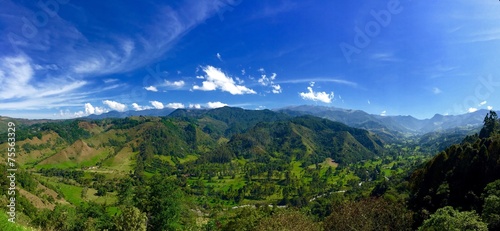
(461, 176)
(236, 169)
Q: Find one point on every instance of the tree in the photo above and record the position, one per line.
(369, 214)
(447, 218)
(287, 220)
(165, 205)
(491, 125)
(491, 207)
(131, 218)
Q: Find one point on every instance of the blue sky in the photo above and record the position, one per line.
(68, 58)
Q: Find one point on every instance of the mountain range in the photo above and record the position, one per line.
(384, 126)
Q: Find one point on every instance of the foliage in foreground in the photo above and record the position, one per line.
(448, 219)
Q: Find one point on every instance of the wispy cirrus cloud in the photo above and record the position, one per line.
(75, 56)
(324, 79)
(174, 84)
(19, 86)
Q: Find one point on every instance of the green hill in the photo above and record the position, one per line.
(458, 176)
(221, 157)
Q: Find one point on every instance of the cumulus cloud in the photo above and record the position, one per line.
(216, 79)
(176, 84)
(490, 108)
(78, 114)
(151, 88)
(197, 106)
(175, 105)
(472, 109)
(483, 103)
(89, 109)
(138, 107)
(215, 104)
(115, 105)
(157, 105)
(276, 89)
(317, 96)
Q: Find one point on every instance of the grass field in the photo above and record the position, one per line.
(72, 194)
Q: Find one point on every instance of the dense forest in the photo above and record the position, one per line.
(236, 169)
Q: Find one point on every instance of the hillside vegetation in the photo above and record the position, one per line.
(236, 169)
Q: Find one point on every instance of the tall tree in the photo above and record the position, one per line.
(165, 206)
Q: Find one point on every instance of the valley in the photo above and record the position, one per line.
(236, 169)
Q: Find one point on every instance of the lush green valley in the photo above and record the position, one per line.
(235, 169)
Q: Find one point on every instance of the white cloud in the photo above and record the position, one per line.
(240, 81)
(317, 96)
(261, 70)
(175, 105)
(216, 104)
(483, 103)
(325, 80)
(197, 106)
(138, 107)
(269, 81)
(151, 88)
(176, 84)
(15, 75)
(384, 113)
(89, 109)
(369, 102)
(436, 90)
(264, 81)
(216, 79)
(243, 72)
(79, 114)
(52, 67)
(115, 105)
(472, 109)
(128, 46)
(89, 66)
(273, 76)
(276, 89)
(219, 57)
(26, 89)
(490, 108)
(110, 80)
(157, 105)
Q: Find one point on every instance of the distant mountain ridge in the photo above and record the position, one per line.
(117, 114)
(400, 124)
(387, 127)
